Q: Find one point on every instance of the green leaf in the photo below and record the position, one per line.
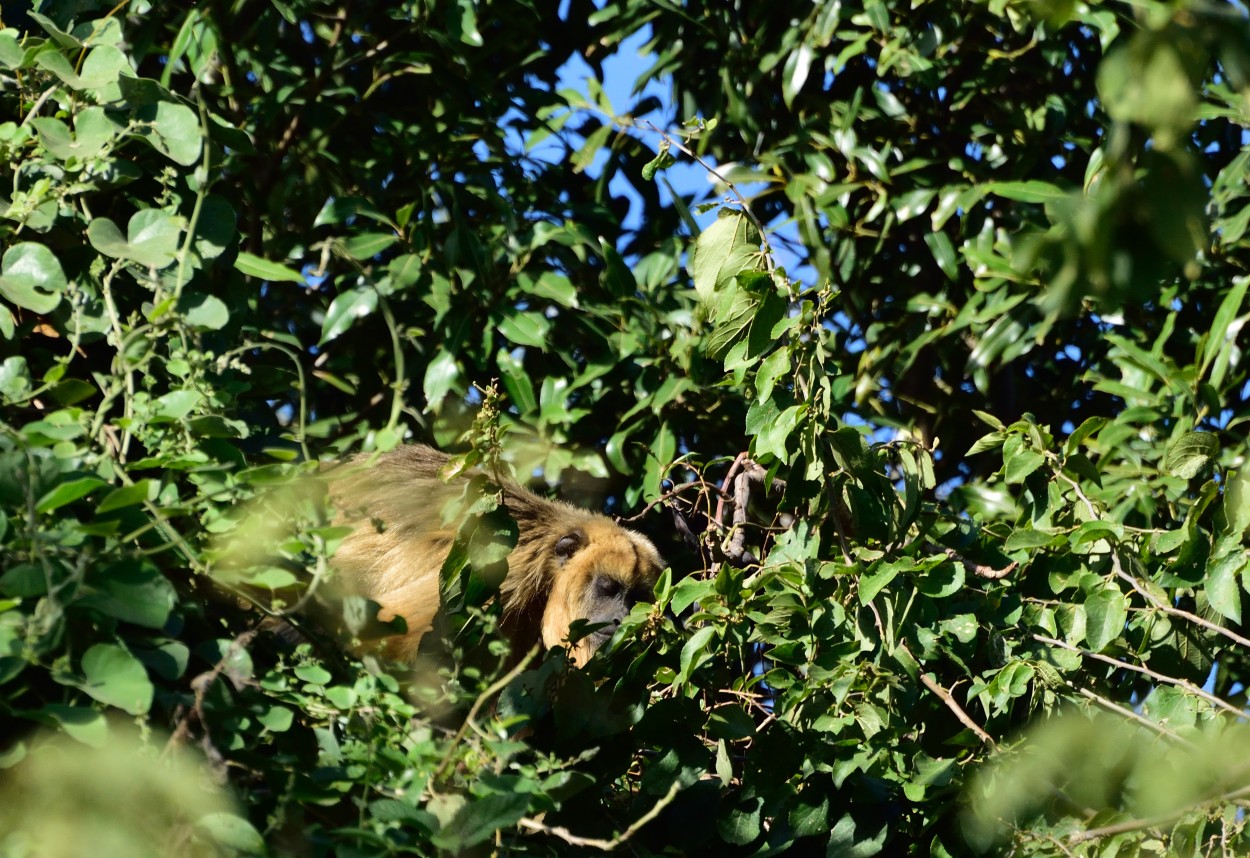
(1019, 460)
(741, 824)
(1217, 347)
(591, 149)
(662, 161)
(515, 380)
(724, 768)
(465, 25)
(263, 269)
(724, 250)
(943, 253)
(313, 673)
(1190, 454)
(232, 832)
(103, 66)
(32, 277)
(278, 719)
(873, 582)
(405, 271)
(117, 678)
(151, 237)
(107, 238)
(345, 309)
(175, 405)
(55, 136)
(141, 491)
(173, 129)
(133, 593)
(368, 245)
(1094, 531)
(1146, 81)
(1088, 427)
(14, 378)
(772, 430)
(1105, 615)
(770, 371)
(215, 230)
(694, 653)
(942, 581)
(68, 492)
(809, 815)
(441, 376)
(1228, 562)
(11, 53)
(479, 819)
(205, 311)
(733, 313)
(1237, 503)
(1026, 192)
(526, 328)
(687, 592)
(59, 36)
(989, 420)
(81, 723)
(1026, 538)
(794, 75)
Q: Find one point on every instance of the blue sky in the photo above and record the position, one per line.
(620, 72)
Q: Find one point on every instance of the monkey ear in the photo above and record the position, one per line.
(569, 545)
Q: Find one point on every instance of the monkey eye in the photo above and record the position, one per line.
(607, 587)
(568, 545)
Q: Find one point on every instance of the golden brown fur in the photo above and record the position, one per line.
(568, 563)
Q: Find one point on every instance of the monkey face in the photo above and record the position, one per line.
(603, 571)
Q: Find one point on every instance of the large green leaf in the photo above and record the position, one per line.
(31, 277)
(724, 250)
(115, 677)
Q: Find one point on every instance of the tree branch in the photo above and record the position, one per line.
(604, 845)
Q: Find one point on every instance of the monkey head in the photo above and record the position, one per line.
(603, 571)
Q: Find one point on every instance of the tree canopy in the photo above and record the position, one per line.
(934, 395)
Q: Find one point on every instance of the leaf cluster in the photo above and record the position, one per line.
(945, 407)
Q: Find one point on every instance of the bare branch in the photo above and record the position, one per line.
(1133, 716)
(978, 569)
(951, 704)
(1172, 610)
(596, 843)
(1158, 677)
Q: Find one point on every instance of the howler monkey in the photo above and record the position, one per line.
(568, 563)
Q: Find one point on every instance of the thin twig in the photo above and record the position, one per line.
(1158, 677)
(964, 718)
(1172, 610)
(1133, 716)
(1154, 821)
(605, 845)
(945, 696)
(978, 569)
(1132, 581)
(711, 171)
(39, 103)
(495, 687)
(200, 686)
(725, 492)
(702, 485)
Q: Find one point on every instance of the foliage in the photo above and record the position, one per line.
(946, 403)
